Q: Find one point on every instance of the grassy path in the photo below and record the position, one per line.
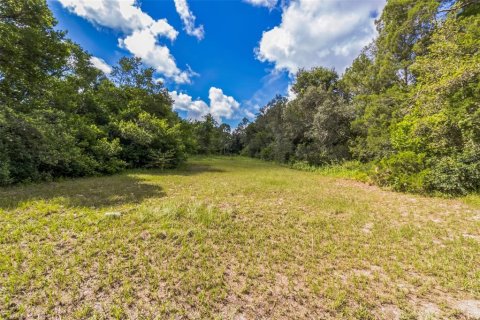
(235, 239)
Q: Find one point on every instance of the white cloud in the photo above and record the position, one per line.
(263, 3)
(195, 109)
(143, 43)
(101, 65)
(122, 15)
(291, 95)
(221, 105)
(141, 30)
(330, 33)
(188, 19)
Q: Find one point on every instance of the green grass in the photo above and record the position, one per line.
(354, 170)
(233, 238)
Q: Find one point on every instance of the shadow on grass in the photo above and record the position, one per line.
(97, 192)
(94, 192)
(191, 169)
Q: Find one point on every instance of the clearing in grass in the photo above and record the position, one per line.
(235, 238)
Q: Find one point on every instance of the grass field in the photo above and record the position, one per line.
(234, 238)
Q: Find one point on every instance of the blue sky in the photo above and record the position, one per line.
(226, 57)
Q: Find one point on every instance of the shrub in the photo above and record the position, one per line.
(21, 146)
(450, 175)
(267, 153)
(4, 168)
(404, 171)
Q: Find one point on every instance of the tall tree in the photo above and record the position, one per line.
(31, 51)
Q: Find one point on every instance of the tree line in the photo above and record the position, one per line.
(407, 110)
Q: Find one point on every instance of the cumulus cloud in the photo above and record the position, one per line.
(188, 19)
(144, 44)
(263, 3)
(330, 33)
(195, 109)
(221, 105)
(101, 65)
(141, 30)
(122, 15)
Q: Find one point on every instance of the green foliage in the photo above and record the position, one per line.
(268, 132)
(268, 153)
(145, 139)
(321, 77)
(212, 138)
(444, 122)
(453, 176)
(375, 115)
(404, 171)
(349, 169)
(409, 104)
(404, 27)
(32, 53)
(314, 127)
(61, 117)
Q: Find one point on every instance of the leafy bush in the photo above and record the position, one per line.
(453, 176)
(349, 169)
(404, 171)
(267, 153)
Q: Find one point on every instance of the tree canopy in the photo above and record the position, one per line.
(408, 105)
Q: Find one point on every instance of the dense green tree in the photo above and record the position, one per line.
(214, 138)
(408, 104)
(444, 121)
(326, 79)
(238, 137)
(60, 116)
(264, 138)
(404, 28)
(31, 52)
(206, 135)
(314, 127)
